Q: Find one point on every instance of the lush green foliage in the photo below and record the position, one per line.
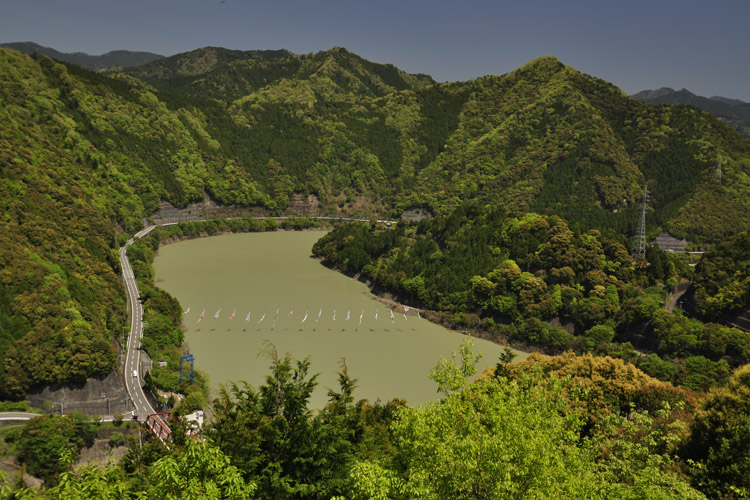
(722, 278)
(272, 436)
(195, 470)
(529, 432)
(719, 440)
(567, 426)
(334, 124)
(550, 139)
(520, 278)
(84, 157)
(602, 386)
(516, 438)
(45, 439)
(87, 155)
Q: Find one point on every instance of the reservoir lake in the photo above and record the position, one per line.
(258, 273)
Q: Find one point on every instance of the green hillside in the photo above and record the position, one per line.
(201, 61)
(226, 75)
(551, 139)
(86, 156)
(733, 112)
(535, 179)
(722, 281)
(544, 137)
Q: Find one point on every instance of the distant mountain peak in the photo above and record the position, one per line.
(733, 112)
(653, 94)
(114, 58)
(729, 101)
(202, 60)
(543, 63)
(244, 72)
(339, 50)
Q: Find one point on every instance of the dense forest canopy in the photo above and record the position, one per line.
(523, 278)
(535, 180)
(722, 280)
(86, 156)
(548, 426)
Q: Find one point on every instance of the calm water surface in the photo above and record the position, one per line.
(260, 273)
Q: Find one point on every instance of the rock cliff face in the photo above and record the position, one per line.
(416, 214)
(103, 395)
(204, 209)
(669, 243)
(301, 204)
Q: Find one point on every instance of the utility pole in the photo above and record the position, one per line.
(640, 240)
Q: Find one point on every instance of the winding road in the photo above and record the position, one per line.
(133, 376)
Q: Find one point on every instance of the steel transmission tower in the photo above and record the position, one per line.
(189, 358)
(640, 239)
(718, 170)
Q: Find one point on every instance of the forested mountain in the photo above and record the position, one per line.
(86, 156)
(722, 278)
(534, 178)
(119, 58)
(550, 139)
(200, 61)
(734, 112)
(212, 71)
(535, 281)
(544, 137)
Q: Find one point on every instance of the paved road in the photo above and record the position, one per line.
(133, 375)
(134, 384)
(17, 416)
(172, 221)
(22, 416)
(677, 294)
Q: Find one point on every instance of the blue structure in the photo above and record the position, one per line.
(189, 358)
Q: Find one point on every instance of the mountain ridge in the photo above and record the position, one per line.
(85, 157)
(121, 58)
(734, 112)
(196, 73)
(202, 60)
(366, 139)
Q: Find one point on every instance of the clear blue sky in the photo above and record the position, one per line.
(703, 46)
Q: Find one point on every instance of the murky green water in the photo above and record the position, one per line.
(260, 273)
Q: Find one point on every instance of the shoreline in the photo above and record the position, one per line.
(388, 299)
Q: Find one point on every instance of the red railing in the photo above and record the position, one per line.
(156, 425)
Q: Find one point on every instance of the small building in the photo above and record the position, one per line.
(194, 420)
